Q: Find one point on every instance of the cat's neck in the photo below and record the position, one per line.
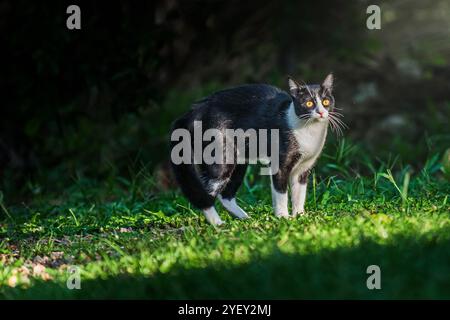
(310, 136)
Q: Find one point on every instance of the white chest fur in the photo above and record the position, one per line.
(310, 139)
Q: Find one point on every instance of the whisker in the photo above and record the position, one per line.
(336, 113)
(342, 123)
(334, 127)
(339, 132)
(336, 117)
(337, 125)
(308, 121)
(305, 118)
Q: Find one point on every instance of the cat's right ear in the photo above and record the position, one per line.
(294, 87)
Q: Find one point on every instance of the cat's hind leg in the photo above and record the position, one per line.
(193, 187)
(233, 208)
(212, 216)
(228, 195)
(220, 179)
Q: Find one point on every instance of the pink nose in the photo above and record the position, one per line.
(321, 114)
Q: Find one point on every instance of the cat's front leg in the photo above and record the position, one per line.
(279, 184)
(298, 192)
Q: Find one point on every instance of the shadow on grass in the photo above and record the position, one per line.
(411, 268)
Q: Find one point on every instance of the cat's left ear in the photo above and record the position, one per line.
(294, 87)
(327, 84)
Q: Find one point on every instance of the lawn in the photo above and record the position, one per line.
(129, 241)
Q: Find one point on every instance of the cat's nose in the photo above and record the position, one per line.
(321, 114)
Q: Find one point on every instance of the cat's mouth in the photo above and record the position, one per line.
(315, 117)
(320, 116)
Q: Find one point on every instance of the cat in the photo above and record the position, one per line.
(301, 116)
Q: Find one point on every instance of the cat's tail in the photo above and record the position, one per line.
(185, 174)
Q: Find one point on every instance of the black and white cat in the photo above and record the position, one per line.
(301, 116)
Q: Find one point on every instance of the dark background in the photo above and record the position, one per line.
(97, 103)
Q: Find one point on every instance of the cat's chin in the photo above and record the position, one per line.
(321, 119)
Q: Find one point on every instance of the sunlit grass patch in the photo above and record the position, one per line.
(157, 246)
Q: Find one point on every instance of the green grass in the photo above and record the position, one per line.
(133, 243)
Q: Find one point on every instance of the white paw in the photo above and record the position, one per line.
(282, 215)
(212, 217)
(233, 208)
(241, 215)
(217, 222)
(298, 213)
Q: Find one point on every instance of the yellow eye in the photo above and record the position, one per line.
(309, 104)
(326, 102)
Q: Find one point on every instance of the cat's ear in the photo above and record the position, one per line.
(327, 84)
(294, 87)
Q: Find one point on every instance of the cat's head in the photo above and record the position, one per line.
(313, 101)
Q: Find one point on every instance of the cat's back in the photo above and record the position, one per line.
(248, 96)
